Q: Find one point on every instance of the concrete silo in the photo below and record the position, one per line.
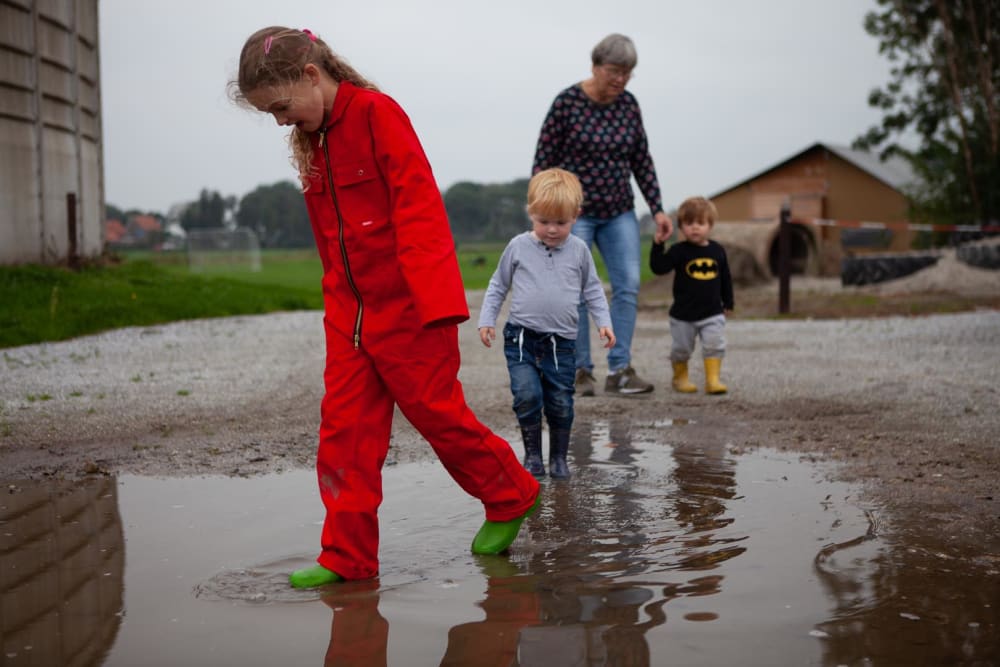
(51, 165)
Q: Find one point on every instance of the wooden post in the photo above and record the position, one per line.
(73, 258)
(784, 259)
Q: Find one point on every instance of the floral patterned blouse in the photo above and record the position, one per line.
(603, 144)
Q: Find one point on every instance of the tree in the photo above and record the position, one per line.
(945, 87)
(489, 212)
(112, 212)
(277, 213)
(208, 211)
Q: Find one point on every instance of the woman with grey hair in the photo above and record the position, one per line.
(594, 129)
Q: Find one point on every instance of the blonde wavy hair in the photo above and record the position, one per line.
(276, 56)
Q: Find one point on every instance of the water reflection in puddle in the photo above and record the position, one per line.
(655, 552)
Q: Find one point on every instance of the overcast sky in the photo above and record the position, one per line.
(726, 87)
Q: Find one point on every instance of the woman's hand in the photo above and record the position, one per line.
(664, 227)
(487, 335)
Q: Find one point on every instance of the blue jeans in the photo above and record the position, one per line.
(618, 241)
(542, 373)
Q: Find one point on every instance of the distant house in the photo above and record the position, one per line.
(114, 231)
(822, 181)
(145, 229)
(140, 231)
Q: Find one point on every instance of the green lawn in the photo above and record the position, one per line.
(52, 303)
(292, 269)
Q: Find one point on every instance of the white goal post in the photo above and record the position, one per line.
(223, 248)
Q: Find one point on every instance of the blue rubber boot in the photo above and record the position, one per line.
(496, 536)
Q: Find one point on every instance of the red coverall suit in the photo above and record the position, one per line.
(393, 298)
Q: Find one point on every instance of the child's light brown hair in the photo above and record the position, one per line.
(276, 56)
(694, 209)
(555, 193)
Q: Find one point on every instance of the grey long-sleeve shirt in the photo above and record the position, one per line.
(547, 285)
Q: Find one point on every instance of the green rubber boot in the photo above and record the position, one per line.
(311, 577)
(495, 536)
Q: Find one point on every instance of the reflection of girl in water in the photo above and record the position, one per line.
(359, 634)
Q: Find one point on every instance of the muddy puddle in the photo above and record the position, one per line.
(655, 553)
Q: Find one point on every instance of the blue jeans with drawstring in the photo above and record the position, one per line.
(542, 371)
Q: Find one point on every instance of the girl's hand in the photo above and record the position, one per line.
(607, 335)
(487, 335)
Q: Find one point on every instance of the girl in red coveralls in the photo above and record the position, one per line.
(393, 298)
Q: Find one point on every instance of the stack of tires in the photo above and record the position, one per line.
(868, 269)
(981, 255)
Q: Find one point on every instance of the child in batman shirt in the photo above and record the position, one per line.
(703, 293)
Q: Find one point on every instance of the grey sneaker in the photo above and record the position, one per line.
(584, 382)
(626, 381)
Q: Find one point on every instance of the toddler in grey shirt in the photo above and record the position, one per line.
(546, 271)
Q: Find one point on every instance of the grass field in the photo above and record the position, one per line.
(301, 268)
(143, 288)
(39, 304)
(53, 303)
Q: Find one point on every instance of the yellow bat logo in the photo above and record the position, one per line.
(703, 268)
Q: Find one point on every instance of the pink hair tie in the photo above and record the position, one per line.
(267, 44)
(307, 31)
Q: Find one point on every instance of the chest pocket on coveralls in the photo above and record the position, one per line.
(364, 201)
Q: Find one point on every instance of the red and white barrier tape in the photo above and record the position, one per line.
(919, 227)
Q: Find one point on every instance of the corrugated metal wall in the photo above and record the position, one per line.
(62, 569)
(50, 130)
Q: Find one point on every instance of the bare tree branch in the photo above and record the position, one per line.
(954, 83)
(984, 60)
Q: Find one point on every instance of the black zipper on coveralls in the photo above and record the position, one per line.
(340, 238)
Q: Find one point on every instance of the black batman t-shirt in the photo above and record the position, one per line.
(702, 284)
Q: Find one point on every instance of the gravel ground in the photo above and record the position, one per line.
(909, 406)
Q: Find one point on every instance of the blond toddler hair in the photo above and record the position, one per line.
(555, 193)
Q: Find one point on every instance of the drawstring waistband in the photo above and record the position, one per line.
(541, 337)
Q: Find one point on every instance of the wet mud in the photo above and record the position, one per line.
(660, 550)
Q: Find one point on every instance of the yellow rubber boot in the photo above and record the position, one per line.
(681, 382)
(712, 383)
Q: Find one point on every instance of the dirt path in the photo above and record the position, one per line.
(908, 405)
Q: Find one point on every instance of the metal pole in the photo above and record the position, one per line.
(72, 257)
(784, 261)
